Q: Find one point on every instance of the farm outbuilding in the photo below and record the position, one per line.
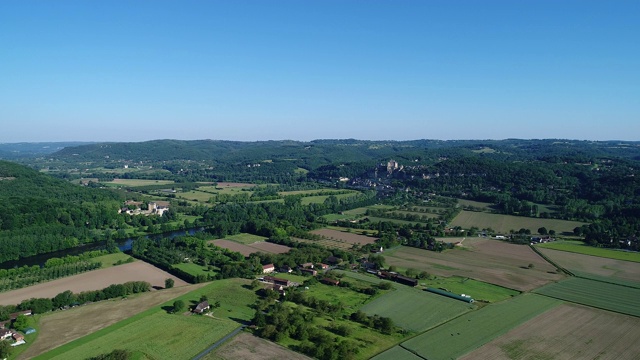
(450, 294)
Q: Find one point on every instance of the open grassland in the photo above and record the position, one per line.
(375, 219)
(598, 268)
(60, 327)
(138, 182)
(245, 238)
(352, 300)
(92, 280)
(249, 347)
(110, 260)
(414, 309)
(195, 195)
(329, 244)
(476, 204)
(193, 269)
(157, 333)
(346, 237)
(622, 299)
(397, 353)
(486, 260)
(504, 223)
(246, 250)
(478, 290)
(580, 248)
(567, 332)
(472, 330)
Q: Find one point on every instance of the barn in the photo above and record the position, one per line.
(451, 295)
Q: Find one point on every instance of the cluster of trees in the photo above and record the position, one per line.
(383, 324)
(282, 321)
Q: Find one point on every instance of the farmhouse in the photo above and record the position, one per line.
(202, 307)
(331, 281)
(5, 334)
(5, 324)
(277, 281)
(323, 266)
(306, 265)
(286, 269)
(279, 289)
(18, 336)
(269, 268)
(309, 271)
(15, 315)
(158, 207)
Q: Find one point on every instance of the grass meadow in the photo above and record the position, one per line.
(612, 297)
(470, 331)
(580, 248)
(397, 353)
(110, 260)
(504, 223)
(156, 333)
(244, 238)
(415, 310)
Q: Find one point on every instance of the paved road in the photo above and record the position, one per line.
(218, 343)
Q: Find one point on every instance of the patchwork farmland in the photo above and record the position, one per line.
(346, 237)
(582, 333)
(491, 261)
(470, 331)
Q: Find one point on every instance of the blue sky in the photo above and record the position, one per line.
(303, 70)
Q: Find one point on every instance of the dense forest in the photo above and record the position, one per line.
(40, 214)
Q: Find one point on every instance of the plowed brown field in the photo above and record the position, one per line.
(567, 332)
(492, 261)
(92, 280)
(349, 238)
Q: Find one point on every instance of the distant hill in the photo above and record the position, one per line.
(320, 152)
(39, 213)
(11, 151)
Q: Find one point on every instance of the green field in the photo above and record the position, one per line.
(109, 260)
(154, 332)
(472, 330)
(352, 300)
(478, 290)
(414, 309)
(193, 269)
(622, 299)
(195, 195)
(138, 182)
(375, 219)
(321, 198)
(580, 248)
(292, 277)
(244, 238)
(504, 223)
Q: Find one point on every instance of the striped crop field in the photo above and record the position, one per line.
(622, 299)
(472, 330)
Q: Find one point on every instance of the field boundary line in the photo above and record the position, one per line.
(413, 351)
(219, 342)
(551, 261)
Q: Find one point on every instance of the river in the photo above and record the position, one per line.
(123, 245)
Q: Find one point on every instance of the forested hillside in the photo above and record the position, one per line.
(39, 213)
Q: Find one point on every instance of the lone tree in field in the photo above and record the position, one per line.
(168, 283)
(178, 306)
(542, 231)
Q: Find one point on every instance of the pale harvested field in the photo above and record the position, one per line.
(620, 269)
(567, 332)
(61, 327)
(92, 280)
(234, 246)
(345, 236)
(270, 247)
(492, 261)
(234, 185)
(330, 244)
(504, 223)
(248, 347)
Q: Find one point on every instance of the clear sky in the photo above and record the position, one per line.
(264, 70)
